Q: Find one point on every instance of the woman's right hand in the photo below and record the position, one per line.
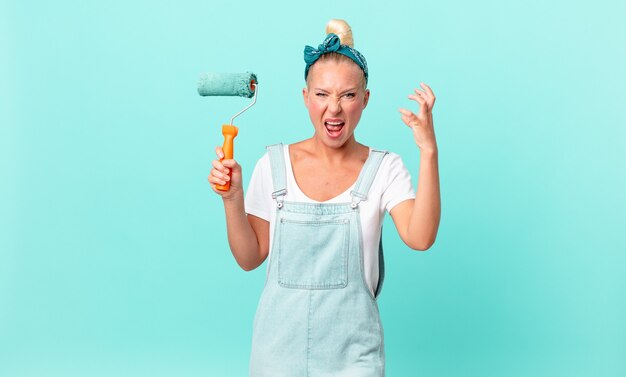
(219, 176)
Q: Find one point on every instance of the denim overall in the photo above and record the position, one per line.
(316, 315)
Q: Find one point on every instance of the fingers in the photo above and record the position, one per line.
(426, 100)
(419, 97)
(422, 122)
(224, 170)
(219, 152)
(429, 91)
(407, 120)
(406, 112)
(219, 167)
(219, 174)
(214, 181)
(408, 117)
(232, 164)
(428, 94)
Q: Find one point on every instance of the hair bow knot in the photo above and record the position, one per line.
(330, 44)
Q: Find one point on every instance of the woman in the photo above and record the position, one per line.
(319, 204)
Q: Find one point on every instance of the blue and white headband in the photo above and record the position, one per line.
(332, 43)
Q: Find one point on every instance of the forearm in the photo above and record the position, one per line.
(241, 237)
(426, 213)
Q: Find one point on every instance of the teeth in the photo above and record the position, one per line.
(334, 128)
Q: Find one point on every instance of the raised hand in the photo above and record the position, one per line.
(422, 123)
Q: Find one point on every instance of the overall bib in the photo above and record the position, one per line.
(316, 315)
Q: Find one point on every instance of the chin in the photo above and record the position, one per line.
(335, 143)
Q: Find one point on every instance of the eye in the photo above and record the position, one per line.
(320, 94)
(350, 95)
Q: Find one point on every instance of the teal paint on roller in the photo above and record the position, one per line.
(227, 84)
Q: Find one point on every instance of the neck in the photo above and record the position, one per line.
(334, 155)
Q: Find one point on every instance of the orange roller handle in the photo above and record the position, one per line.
(229, 131)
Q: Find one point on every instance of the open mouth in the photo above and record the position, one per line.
(334, 127)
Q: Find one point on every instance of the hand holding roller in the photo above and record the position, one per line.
(229, 84)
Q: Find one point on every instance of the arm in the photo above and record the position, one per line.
(248, 235)
(417, 220)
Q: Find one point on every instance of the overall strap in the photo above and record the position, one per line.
(279, 172)
(366, 177)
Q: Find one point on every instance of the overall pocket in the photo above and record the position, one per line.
(313, 254)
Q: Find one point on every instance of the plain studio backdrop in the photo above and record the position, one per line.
(113, 252)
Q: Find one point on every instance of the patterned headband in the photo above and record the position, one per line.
(333, 44)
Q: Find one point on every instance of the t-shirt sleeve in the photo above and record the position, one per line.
(258, 201)
(400, 187)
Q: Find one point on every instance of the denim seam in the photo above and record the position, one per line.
(273, 255)
(316, 208)
(308, 343)
(362, 262)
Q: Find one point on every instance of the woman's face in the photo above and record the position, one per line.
(335, 98)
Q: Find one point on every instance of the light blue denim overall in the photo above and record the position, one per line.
(316, 316)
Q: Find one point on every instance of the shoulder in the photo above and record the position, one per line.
(393, 159)
(263, 162)
(393, 165)
(390, 159)
(392, 170)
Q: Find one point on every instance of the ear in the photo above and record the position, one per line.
(366, 98)
(305, 96)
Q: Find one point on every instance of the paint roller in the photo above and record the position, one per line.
(229, 84)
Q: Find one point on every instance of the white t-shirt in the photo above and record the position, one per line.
(392, 185)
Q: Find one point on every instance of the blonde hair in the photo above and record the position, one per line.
(343, 30)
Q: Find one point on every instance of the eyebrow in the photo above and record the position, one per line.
(345, 91)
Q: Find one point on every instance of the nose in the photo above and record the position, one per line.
(334, 105)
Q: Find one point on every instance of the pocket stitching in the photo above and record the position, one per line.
(343, 278)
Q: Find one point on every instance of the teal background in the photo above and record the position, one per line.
(113, 251)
